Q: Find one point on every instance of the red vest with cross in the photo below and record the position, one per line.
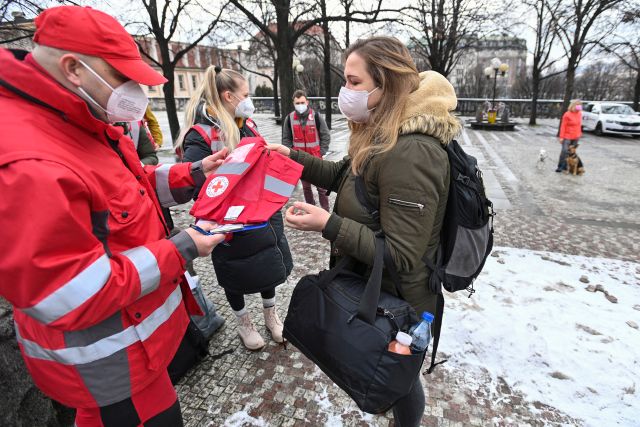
(305, 137)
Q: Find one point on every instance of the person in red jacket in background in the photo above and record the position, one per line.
(99, 295)
(570, 131)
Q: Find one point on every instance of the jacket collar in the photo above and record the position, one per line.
(28, 80)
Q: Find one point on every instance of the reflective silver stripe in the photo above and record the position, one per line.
(163, 190)
(147, 267)
(306, 144)
(109, 345)
(232, 168)
(72, 294)
(135, 133)
(217, 146)
(278, 186)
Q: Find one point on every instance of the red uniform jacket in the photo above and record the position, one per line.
(96, 287)
(251, 185)
(305, 138)
(571, 127)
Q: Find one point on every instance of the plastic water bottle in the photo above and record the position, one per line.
(421, 335)
(401, 344)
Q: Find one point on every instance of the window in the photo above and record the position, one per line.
(152, 88)
(181, 81)
(588, 107)
(194, 81)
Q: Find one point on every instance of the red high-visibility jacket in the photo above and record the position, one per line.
(571, 126)
(96, 287)
(305, 138)
(251, 185)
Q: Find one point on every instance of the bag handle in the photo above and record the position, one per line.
(371, 295)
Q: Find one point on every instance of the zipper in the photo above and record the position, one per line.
(406, 204)
(284, 267)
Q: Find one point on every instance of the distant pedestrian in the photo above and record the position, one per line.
(304, 129)
(570, 131)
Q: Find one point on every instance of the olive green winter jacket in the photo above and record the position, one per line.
(409, 183)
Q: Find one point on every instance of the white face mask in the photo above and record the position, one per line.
(127, 102)
(300, 108)
(245, 108)
(353, 104)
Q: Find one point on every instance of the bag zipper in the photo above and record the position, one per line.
(284, 267)
(406, 204)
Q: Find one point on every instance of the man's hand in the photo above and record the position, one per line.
(205, 244)
(211, 163)
(306, 217)
(279, 148)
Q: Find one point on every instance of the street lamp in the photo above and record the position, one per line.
(297, 69)
(497, 66)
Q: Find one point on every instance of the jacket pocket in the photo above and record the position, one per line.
(405, 203)
(125, 205)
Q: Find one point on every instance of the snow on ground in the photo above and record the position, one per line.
(533, 324)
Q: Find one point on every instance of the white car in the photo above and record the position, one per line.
(606, 117)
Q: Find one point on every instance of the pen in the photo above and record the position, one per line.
(200, 230)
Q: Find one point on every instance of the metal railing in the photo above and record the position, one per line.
(547, 108)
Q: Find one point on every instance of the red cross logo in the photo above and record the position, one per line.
(217, 186)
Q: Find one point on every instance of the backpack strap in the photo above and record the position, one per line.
(336, 181)
(437, 327)
(365, 200)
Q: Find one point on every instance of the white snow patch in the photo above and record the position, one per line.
(532, 323)
(242, 418)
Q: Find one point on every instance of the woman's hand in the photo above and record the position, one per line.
(279, 148)
(211, 163)
(306, 217)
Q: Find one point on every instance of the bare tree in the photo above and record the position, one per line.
(445, 29)
(166, 21)
(626, 47)
(546, 35)
(581, 26)
(292, 21)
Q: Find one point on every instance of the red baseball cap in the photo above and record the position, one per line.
(91, 32)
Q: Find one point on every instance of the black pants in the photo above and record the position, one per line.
(236, 301)
(408, 411)
(123, 414)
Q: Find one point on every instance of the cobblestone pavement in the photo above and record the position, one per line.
(594, 215)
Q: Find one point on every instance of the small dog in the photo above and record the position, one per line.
(574, 164)
(542, 156)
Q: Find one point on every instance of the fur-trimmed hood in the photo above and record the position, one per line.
(428, 109)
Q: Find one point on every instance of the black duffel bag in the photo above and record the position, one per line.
(344, 324)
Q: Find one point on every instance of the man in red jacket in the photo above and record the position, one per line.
(99, 295)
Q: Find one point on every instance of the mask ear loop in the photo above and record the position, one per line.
(368, 94)
(96, 74)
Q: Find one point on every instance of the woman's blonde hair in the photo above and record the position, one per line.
(216, 81)
(395, 73)
(573, 104)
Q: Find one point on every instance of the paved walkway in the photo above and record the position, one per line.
(594, 215)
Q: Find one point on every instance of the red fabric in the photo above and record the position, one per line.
(92, 32)
(148, 403)
(249, 189)
(307, 133)
(57, 169)
(571, 127)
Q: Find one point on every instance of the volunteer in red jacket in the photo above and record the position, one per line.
(570, 131)
(96, 287)
(304, 129)
(217, 116)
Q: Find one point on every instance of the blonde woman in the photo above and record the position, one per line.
(400, 122)
(570, 131)
(218, 116)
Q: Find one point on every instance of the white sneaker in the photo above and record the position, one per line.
(248, 333)
(273, 323)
